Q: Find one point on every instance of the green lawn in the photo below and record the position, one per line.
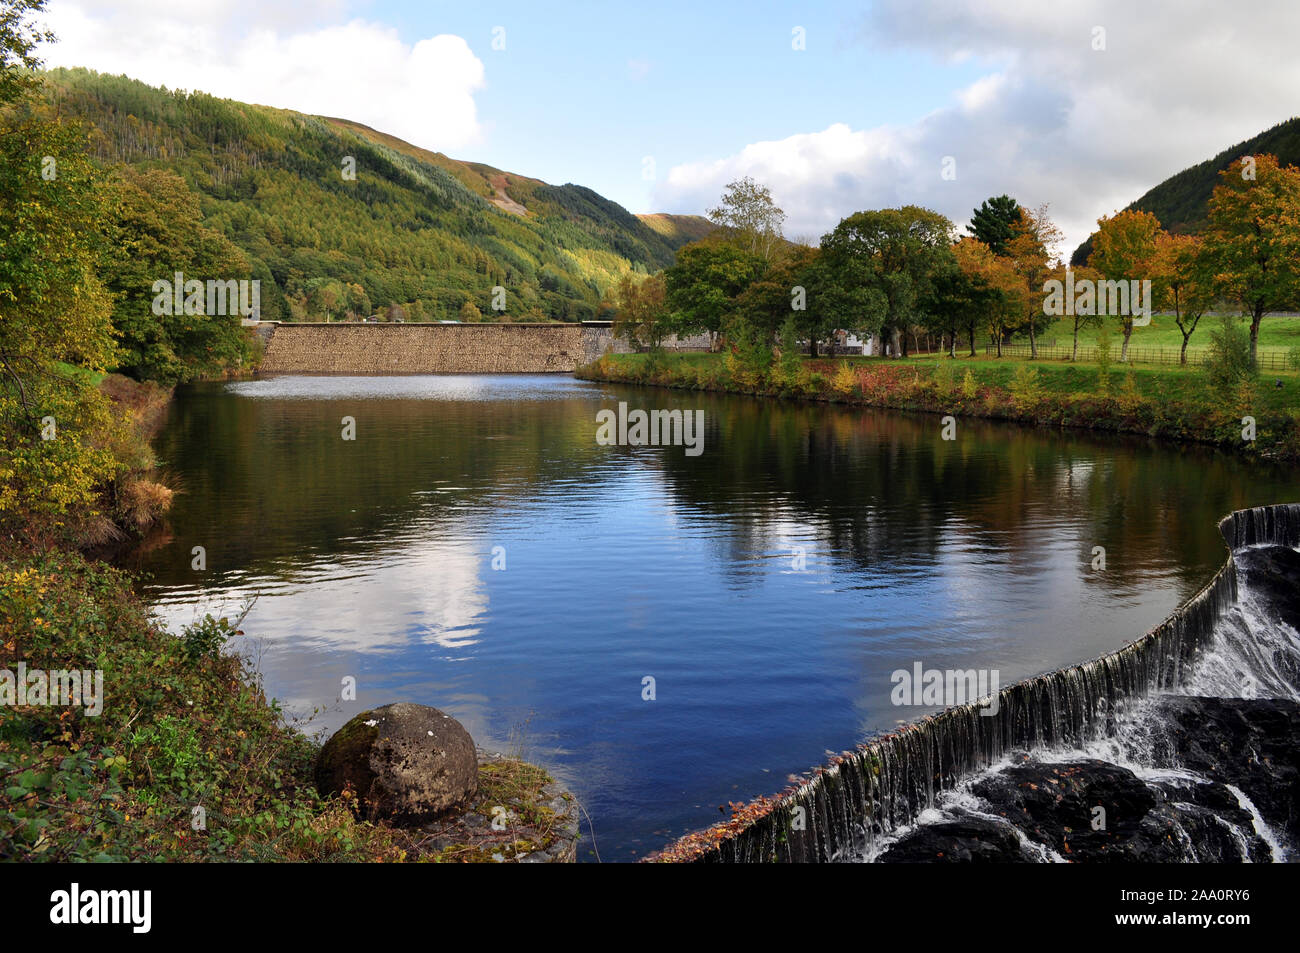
(1276, 333)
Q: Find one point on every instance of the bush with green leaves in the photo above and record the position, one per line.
(1227, 363)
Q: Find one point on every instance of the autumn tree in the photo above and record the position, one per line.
(787, 293)
(19, 37)
(1009, 300)
(1183, 282)
(1084, 307)
(1032, 252)
(1123, 250)
(356, 300)
(1254, 237)
(57, 431)
(641, 310)
(973, 290)
(324, 297)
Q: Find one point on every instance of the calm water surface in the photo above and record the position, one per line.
(373, 558)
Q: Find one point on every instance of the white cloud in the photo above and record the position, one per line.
(1052, 120)
(422, 92)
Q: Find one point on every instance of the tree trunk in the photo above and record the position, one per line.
(812, 346)
(1123, 350)
(1182, 354)
(1255, 319)
(1033, 343)
(1074, 352)
(972, 342)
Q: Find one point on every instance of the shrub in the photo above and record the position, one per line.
(205, 639)
(845, 381)
(1130, 398)
(1227, 364)
(944, 379)
(1026, 390)
(749, 361)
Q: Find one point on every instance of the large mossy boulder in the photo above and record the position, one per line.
(408, 764)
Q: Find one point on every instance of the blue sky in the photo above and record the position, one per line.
(584, 94)
(1081, 105)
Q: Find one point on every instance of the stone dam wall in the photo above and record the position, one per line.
(433, 348)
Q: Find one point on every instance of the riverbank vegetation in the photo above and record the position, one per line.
(169, 749)
(1221, 404)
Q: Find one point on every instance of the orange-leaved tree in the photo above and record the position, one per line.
(1123, 250)
(1254, 238)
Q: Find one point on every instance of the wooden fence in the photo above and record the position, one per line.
(1269, 360)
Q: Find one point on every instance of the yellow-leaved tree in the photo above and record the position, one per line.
(56, 337)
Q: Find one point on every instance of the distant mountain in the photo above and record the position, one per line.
(413, 228)
(1181, 201)
(679, 229)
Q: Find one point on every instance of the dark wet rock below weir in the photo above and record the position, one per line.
(1190, 813)
(1273, 572)
(1252, 744)
(965, 840)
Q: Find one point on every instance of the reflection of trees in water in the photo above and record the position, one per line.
(268, 480)
(883, 489)
(271, 480)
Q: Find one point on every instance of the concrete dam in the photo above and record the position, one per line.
(434, 348)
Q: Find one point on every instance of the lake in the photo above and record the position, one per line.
(476, 549)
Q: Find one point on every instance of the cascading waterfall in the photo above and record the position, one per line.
(849, 805)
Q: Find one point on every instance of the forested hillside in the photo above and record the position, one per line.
(1180, 201)
(414, 234)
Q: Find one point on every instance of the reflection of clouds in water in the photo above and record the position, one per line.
(427, 591)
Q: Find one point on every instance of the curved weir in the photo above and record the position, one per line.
(865, 794)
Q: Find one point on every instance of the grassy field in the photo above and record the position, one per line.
(1278, 334)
